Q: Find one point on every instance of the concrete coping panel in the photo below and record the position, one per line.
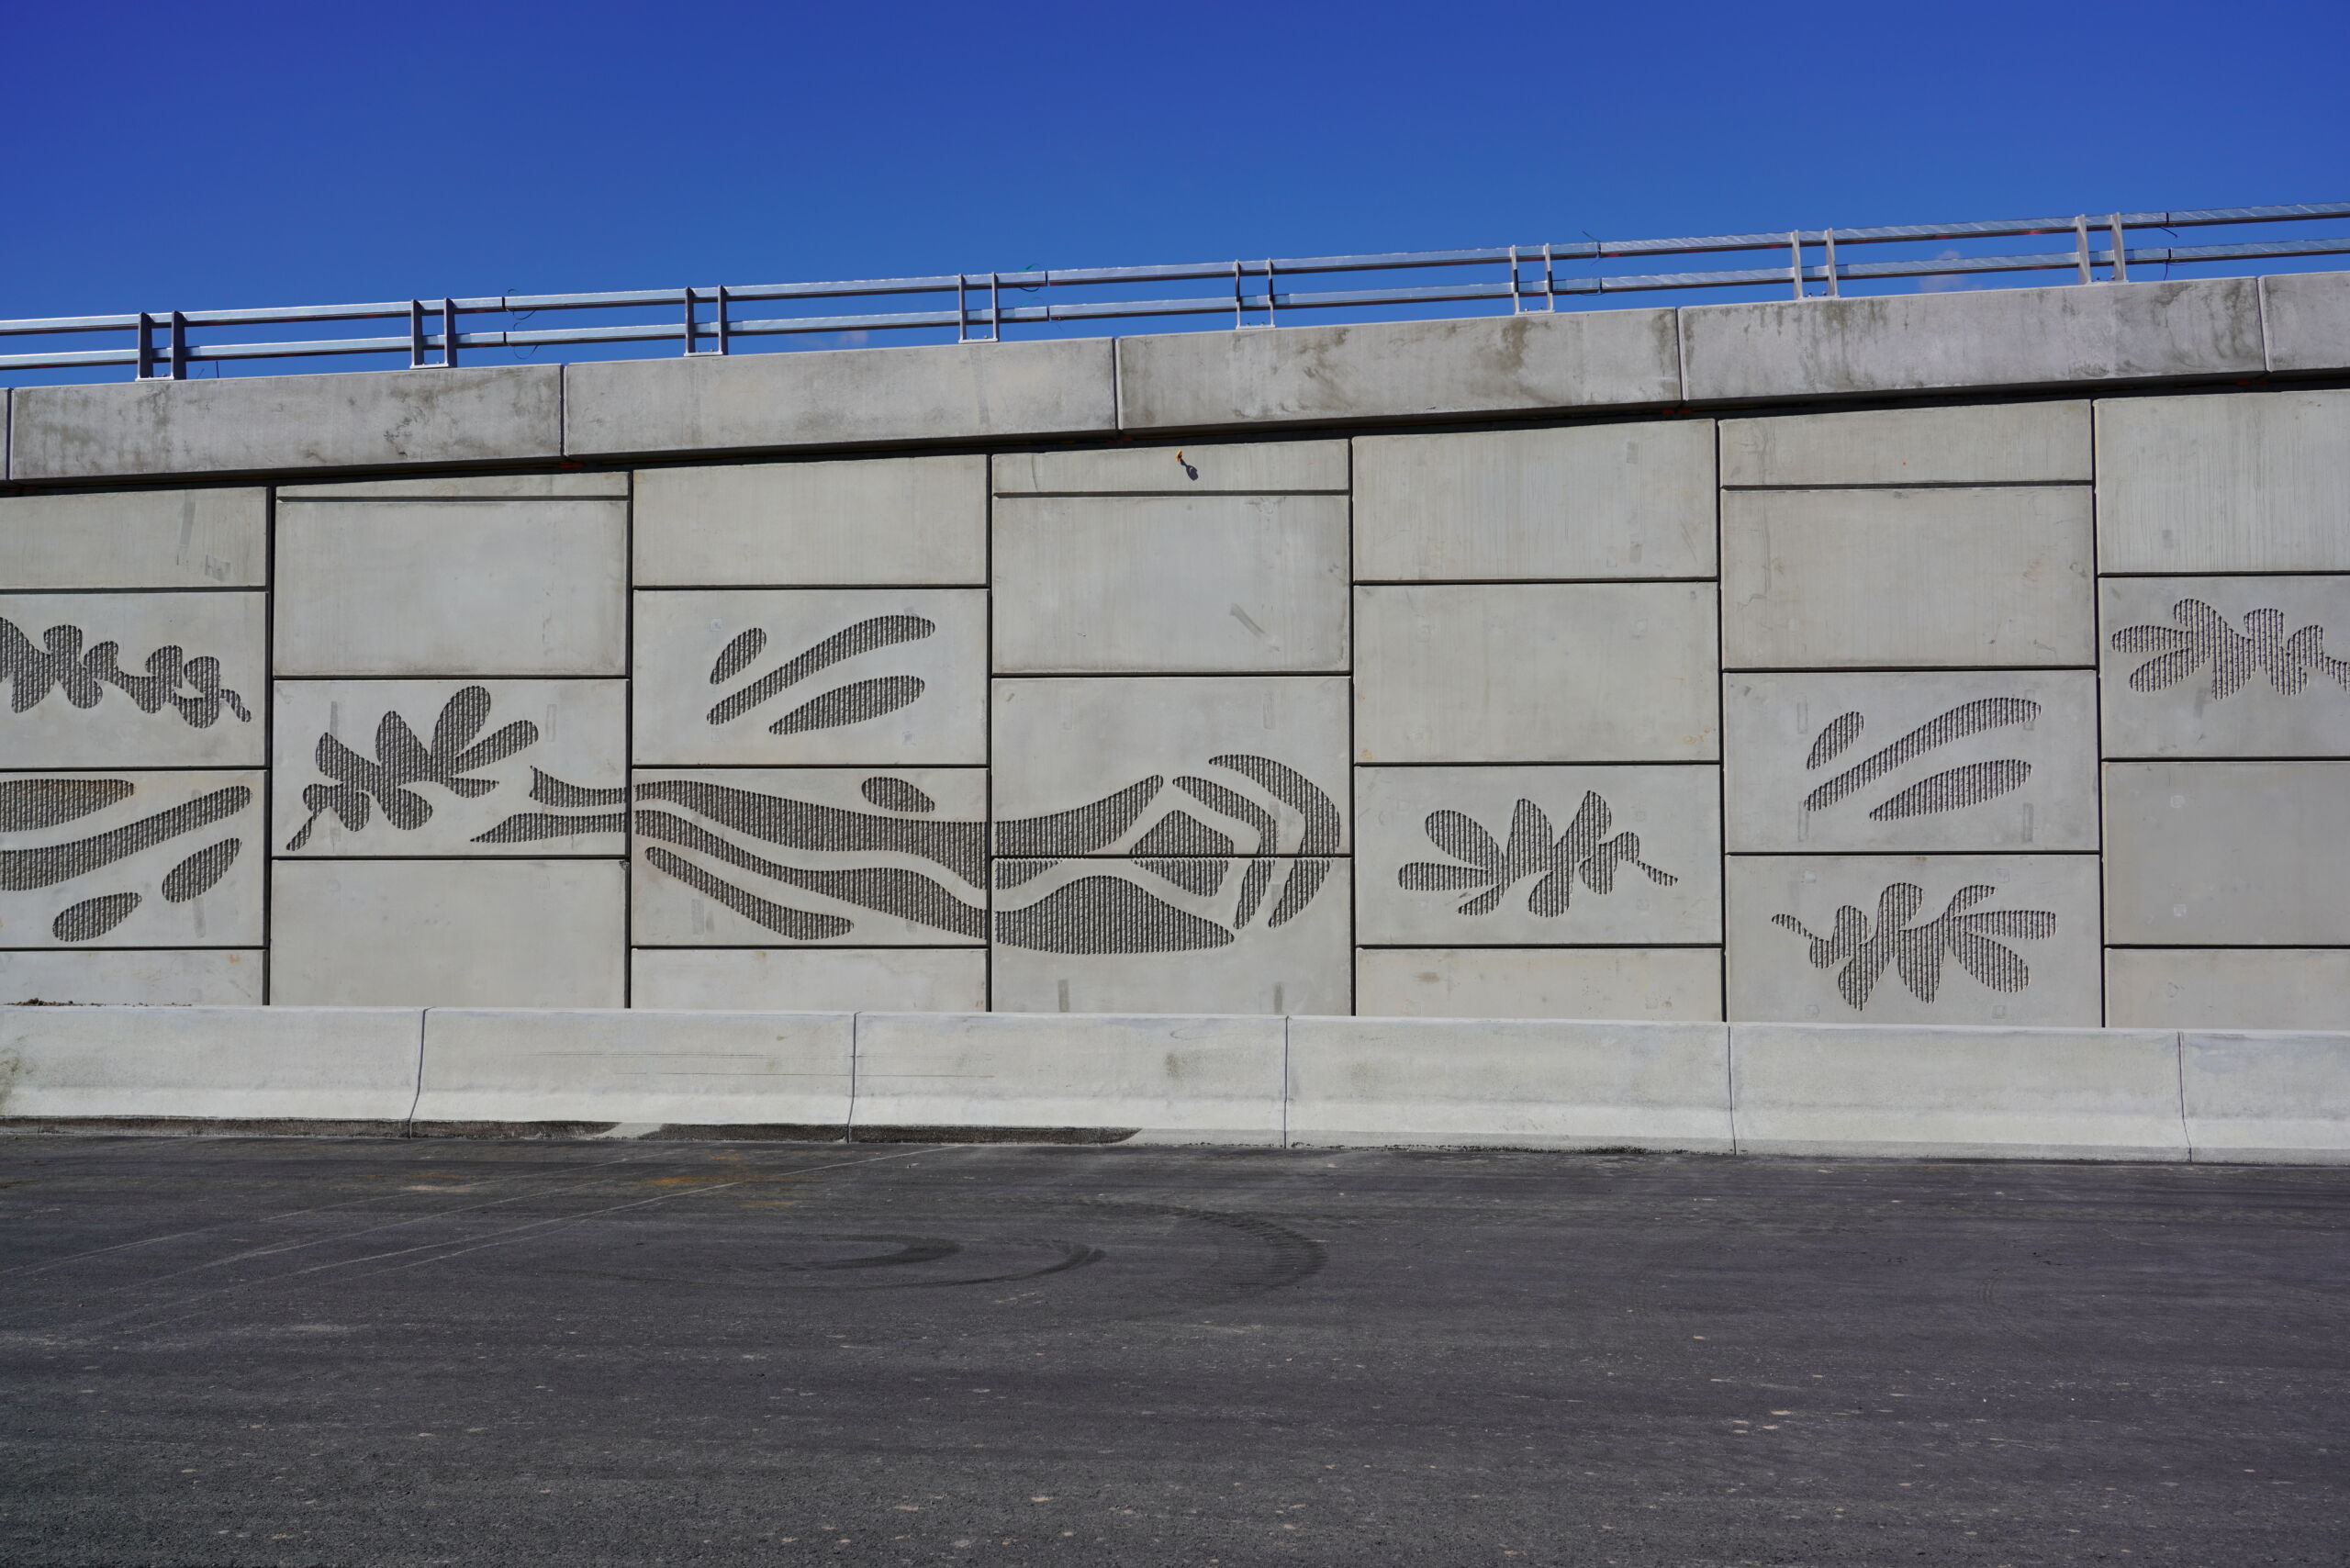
(1157, 1079)
(1508, 1083)
(2271, 1098)
(377, 419)
(355, 1064)
(637, 1070)
(1963, 1093)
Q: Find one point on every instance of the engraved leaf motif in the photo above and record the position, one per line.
(401, 761)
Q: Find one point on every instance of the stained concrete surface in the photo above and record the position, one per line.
(387, 1352)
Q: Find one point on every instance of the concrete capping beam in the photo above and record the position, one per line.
(1513, 1084)
(1524, 363)
(375, 418)
(2267, 1098)
(2008, 1094)
(2098, 334)
(2305, 318)
(341, 1064)
(955, 392)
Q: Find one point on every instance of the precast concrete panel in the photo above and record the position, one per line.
(253, 423)
(401, 767)
(784, 980)
(2018, 1093)
(1253, 467)
(134, 679)
(449, 932)
(136, 539)
(174, 977)
(2226, 666)
(1973, 939)
(2227, 854)
(1153, 1079)
(901, 520)
(1528, 672)
(1656, 984)
(1383, 1083)
(883, 677)
(635, 1069)
(1616, 500)
(131, 860)
(1519, 857)
(1907, 578)
(748, 856)
(542, 486)
(1395, 369)
(452, 588)
(1167, 934)
(2008, 337)
(2228, 987)
(740, 402)
(2224, 482)
(1986, 443)
(2308, 320)
(1911, 763)
(1137, 584)
(1171, 766)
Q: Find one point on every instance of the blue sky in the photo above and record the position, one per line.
(233, 155)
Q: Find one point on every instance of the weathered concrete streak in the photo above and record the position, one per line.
(380, 419)
(2011, 337)
(1399, 369)
(957, 392)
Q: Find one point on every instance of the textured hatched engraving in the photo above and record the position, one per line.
(960, 846)
(737, 656)
(848, 704)
(62, 664)
(1239, 807)
(1305, 879)
(1840, 732)
(1082, 830)
(1586, 851)
(200, 872)
(1957, 723)
(1107, 915)
(575, 813)
(22, 871)
(799, 924)
(1295, 790)
(549, 791)
(1019, 873)
(402, 761)
(2202, 636)
(1194, 875)
(93, 918)
(1954, 788)
(1916, 952)
(29, 804)
(1181, 833)
(887, 890)
(896, 795)
(1258, 877)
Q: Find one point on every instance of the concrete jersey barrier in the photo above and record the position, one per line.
(2138, 1094)
(342, 1064)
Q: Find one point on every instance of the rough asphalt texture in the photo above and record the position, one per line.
(376, 1353)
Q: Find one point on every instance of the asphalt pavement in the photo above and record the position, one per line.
(359, 1352)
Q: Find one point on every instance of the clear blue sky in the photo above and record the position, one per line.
(232, 154)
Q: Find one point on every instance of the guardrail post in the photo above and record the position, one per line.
(2081, 238)
(2121, 253)
(416, 334)
(1827, 240)
(179, 346)
(146, 350)
(1795, 260)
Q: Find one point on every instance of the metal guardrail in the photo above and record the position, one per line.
(433, 332)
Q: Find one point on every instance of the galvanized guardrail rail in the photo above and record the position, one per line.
(434, 334)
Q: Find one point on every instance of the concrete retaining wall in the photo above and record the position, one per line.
(1304, 1082)
(1972, 658)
